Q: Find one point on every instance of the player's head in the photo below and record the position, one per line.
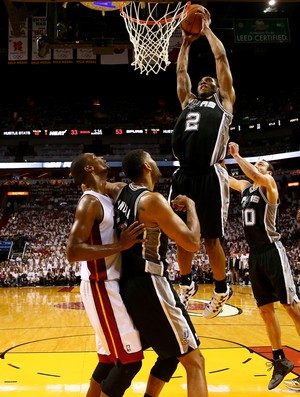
(137, 163)
(87, 164)
(264, 167)
(207, 86)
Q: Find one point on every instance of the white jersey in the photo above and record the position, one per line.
(117, 339)
(108, 268)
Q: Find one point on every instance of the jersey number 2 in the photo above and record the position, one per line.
(192, 121)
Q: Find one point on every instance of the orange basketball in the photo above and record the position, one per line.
(192, 23)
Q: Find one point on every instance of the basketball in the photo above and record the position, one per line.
(192, 23)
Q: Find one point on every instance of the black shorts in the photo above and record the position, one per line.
(158, 314)
(271, 276)
(210, 191)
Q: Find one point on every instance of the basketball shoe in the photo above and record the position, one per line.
(293, 384)
(281, 368)
(215, 306)
(187, 291)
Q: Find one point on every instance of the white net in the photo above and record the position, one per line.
(150, 27)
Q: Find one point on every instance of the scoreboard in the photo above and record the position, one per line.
(84, 132)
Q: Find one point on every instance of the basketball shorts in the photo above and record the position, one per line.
(116, 336)
(210, 191)
(271, 276)
(157, 312)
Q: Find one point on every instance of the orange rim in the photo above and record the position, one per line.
(160, 21)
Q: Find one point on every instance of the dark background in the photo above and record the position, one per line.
(265, 72)
(256, 68)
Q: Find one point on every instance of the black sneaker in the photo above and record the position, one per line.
(281, 368)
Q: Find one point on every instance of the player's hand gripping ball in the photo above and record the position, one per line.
(192, 23)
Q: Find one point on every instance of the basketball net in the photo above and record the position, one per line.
(150, 27)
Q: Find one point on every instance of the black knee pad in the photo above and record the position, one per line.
(164, 369)
(102, 371)
(119, 379)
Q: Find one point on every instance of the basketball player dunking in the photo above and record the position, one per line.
(199, 143)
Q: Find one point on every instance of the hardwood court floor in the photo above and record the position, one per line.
(47, 346)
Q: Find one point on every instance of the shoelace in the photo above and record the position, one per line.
(270, 365)
(217, 302)
(279, 369)
(184, 296)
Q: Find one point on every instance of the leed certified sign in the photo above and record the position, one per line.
(256, 31)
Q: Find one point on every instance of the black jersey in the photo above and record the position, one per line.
(150, 256)
(201, 134)
(148, 294)
(259, 219)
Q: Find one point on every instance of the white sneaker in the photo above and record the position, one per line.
(293, 384)
(214, 307)
(186, 291)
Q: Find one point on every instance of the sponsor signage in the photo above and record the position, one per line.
(259, 31)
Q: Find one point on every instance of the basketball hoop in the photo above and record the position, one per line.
(150, 27)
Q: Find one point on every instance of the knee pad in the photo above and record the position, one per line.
(102, 371)
(119, 379)
(164, 369)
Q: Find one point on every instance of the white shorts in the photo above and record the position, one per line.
(116, 336)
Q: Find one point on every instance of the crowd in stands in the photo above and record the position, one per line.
(54, 112)
(43, 220)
